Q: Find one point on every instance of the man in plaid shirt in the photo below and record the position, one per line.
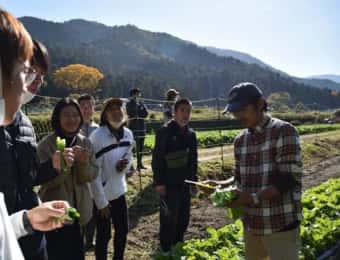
(268, 175)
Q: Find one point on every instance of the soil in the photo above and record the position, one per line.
(143, 236)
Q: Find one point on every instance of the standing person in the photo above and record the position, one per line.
(40, 64)
(20, 167)
(268, 169)
(87, 105)
(71, 184)
(168, 106)
(113, 144)
(174, 160)
(137, 112)
(22, 223)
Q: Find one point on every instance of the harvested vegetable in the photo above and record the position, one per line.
(222, 197)
(61, 144)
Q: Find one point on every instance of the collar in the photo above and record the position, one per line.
(175, 126)
(117, 133)
(261, 126)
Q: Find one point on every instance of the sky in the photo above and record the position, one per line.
(300, 37)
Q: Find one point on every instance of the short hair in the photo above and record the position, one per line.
(55, 118)
(15, 43)
(86, 97)
(134, 91)
(40, 56)
(182, 101)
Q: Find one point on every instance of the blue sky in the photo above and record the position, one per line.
(300, 37)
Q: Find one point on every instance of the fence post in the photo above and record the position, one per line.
(220, 132)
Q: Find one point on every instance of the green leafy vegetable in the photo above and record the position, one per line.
(61, 144)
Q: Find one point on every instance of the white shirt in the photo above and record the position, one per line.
(9, 247)
(110, 184)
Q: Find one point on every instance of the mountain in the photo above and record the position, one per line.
(319, 83)
(335, 78)
(322, 81)
(244, 57)
(132, 57)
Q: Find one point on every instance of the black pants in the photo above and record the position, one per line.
(139, 149)
(119, 218)
(33, 246)
(65, 243)
(89, 231)
(174, 215)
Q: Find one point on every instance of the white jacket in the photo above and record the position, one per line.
(110, 184)
(9, 247)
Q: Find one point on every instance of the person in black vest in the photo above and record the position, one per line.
(174, 160)
(137, 112)
(19, 165)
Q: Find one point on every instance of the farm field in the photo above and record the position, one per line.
(321, 157)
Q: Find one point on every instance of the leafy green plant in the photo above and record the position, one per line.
(320, 230)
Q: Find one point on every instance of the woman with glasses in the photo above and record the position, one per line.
(71, 184)
(19, 165)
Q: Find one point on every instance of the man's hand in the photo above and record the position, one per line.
(161, 190)
(105, 213)
(270, 193)
(44, 217)
(121, 164)
(193, 190)
(243, 199)
(81, 154)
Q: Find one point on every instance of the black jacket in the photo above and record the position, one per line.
(137, 113)
(20, 172)
(172, 145)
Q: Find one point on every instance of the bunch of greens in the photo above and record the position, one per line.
(222, 197)
(61, 144)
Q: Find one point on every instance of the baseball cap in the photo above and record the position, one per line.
(242, 95)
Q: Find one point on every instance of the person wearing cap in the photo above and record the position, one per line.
(268, 170)
(19, 163)
(174, 160)
(113, 144)
(137, 112)
(168, 106)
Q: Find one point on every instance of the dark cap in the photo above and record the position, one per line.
(242, 95)
(134, 90)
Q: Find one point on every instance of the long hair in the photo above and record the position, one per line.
(55, 118)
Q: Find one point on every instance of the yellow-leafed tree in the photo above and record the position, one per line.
(79, 78)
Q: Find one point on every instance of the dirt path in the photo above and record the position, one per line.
(207, 154)
(143, 237)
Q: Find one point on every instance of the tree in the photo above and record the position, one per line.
(279, 101)
(78, 78)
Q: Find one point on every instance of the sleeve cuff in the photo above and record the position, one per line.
(17, 220)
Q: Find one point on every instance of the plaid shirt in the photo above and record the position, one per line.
(264, 157)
